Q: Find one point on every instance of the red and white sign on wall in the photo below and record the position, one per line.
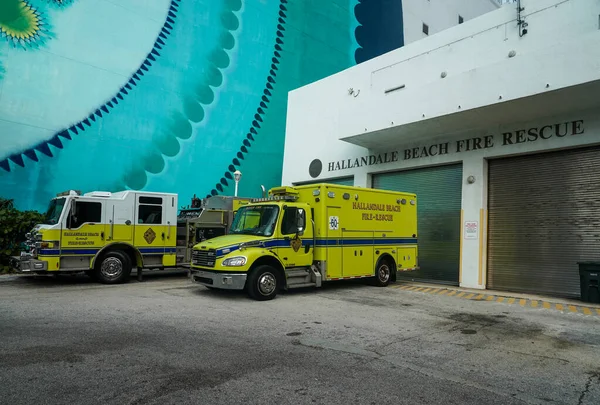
(471, 229)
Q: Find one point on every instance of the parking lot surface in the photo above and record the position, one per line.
(167, 341)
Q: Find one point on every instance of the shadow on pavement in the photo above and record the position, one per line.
(62, 280)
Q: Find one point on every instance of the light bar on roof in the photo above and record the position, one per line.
(276, 198)
(69, 192)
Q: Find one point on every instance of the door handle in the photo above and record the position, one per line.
(102, 235)
(163, 235)
(128, 222)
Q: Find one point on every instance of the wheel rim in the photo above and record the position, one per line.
(267, 284)
(384, 273)
(112, 267)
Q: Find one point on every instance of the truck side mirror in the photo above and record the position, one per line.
(300, 221)
(71, 218)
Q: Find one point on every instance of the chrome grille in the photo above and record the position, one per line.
(205, 258)
(32, 242)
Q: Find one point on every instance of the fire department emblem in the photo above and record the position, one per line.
(149, 236)
(296, 243)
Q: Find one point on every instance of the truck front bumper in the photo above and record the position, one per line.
(28, 265)
(228, 281)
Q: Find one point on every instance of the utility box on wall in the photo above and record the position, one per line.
(589, 274)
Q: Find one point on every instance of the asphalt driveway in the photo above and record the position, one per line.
(166, 341)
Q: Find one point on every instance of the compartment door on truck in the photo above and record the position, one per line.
(357, 253)
(150, 233)
(120, 221)
(295, 249)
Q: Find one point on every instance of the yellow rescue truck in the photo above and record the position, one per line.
(306, 235)
(107, 235)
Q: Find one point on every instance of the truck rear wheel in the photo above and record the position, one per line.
(263, 283)
(383, 273)
(113, 268)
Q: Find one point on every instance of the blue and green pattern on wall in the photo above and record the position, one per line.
(22, 24)
(168, 95)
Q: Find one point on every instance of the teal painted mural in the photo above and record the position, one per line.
(162, 95)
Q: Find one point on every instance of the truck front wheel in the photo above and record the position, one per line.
(263, 283)
(113, 268)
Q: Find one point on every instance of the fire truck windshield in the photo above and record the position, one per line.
(257, 220)
(54, 210)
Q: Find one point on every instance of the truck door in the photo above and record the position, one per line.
(120, 224)
(83, 229)
(150, 230)
(334, 249)
(296, 230)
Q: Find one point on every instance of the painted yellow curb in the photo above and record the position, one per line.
(523, 302)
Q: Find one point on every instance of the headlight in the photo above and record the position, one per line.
(46, 244)
(234, 261)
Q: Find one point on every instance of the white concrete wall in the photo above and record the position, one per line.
(479, 71)
(439, 15)
(323, 112)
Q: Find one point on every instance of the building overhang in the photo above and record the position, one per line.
(539, 106)
(474, 77)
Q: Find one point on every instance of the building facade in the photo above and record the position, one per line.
(494, 123)
(171, 95)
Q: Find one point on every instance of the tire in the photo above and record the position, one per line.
(113, 268)
(383, 273)
(263, 283)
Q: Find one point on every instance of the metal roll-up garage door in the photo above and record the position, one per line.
(343, 181)
(439, 195)
(544, 217)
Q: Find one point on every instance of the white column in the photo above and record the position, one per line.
(362, 179)
(473, 258)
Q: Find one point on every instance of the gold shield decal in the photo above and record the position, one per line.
(149, 235)
(296, 243)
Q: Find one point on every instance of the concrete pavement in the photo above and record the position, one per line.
(166, 341)
(509, 298)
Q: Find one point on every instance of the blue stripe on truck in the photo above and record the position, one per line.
(331, 242)
(88, 251)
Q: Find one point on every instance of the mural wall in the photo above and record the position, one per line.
(163, 95)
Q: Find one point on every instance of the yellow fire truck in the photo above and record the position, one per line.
(107, 235)
(306, 235)
(204, 219)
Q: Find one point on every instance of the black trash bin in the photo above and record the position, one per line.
(589, 277)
